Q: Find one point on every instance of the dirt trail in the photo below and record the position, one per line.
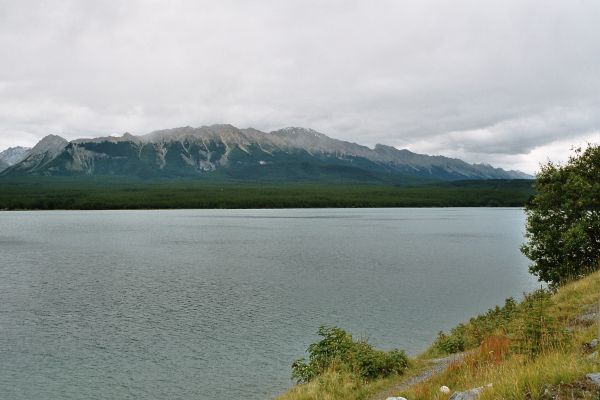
(437, 367)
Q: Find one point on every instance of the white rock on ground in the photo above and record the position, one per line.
(594, 378)
(471, 394)
(444, 389)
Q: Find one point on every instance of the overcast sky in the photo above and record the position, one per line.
(510, 83)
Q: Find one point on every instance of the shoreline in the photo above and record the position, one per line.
(487, 370)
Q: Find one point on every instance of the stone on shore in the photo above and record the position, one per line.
(471, 394)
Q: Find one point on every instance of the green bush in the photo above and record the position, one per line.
(530, 326)
(470, 335)
(448, 344)
(337, 350)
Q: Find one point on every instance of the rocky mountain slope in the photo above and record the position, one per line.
(224, 151)
(12, 155)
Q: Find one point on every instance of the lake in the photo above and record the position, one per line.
(216, 304)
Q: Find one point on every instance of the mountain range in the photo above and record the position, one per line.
(227, 152)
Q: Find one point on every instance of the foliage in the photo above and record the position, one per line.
(563, 219)
(530, 326)
(452, 343)
(470, 335)
(337, 350)
(535, 330)
(76, 193)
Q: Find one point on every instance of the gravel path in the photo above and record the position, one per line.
(437, 367)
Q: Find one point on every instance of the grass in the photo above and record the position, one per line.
(337, 385)
(333, 385)
(554, 370)
(84, 193)
(514, 378)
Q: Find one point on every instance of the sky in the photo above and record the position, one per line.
(510, 83)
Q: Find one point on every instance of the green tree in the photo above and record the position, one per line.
(563, 219)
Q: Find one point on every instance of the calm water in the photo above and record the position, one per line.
(213, 304)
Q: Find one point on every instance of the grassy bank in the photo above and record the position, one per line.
(533, 349)
(47, 193)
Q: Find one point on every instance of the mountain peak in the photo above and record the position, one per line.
(384, 147)
(16, 148)
(52, 143)
(296, 130)
(13, 155)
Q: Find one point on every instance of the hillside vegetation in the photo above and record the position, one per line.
(525, 350)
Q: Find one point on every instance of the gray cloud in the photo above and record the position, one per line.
(488, 81)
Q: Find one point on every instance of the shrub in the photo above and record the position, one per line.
(453, 343)
(338, 351)
(472, 334)
(530, 326)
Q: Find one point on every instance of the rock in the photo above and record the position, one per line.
(594, 378)
(471, 394)
(592, 356)
(396, 398)
(587, 319)
(444, 389)
(591, 346)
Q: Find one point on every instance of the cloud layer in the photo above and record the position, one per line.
(504, 82)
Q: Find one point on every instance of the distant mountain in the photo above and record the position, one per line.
(226, 152)
(37, 159)
(12, 155)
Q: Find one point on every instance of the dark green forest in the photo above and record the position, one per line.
(87, 193)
